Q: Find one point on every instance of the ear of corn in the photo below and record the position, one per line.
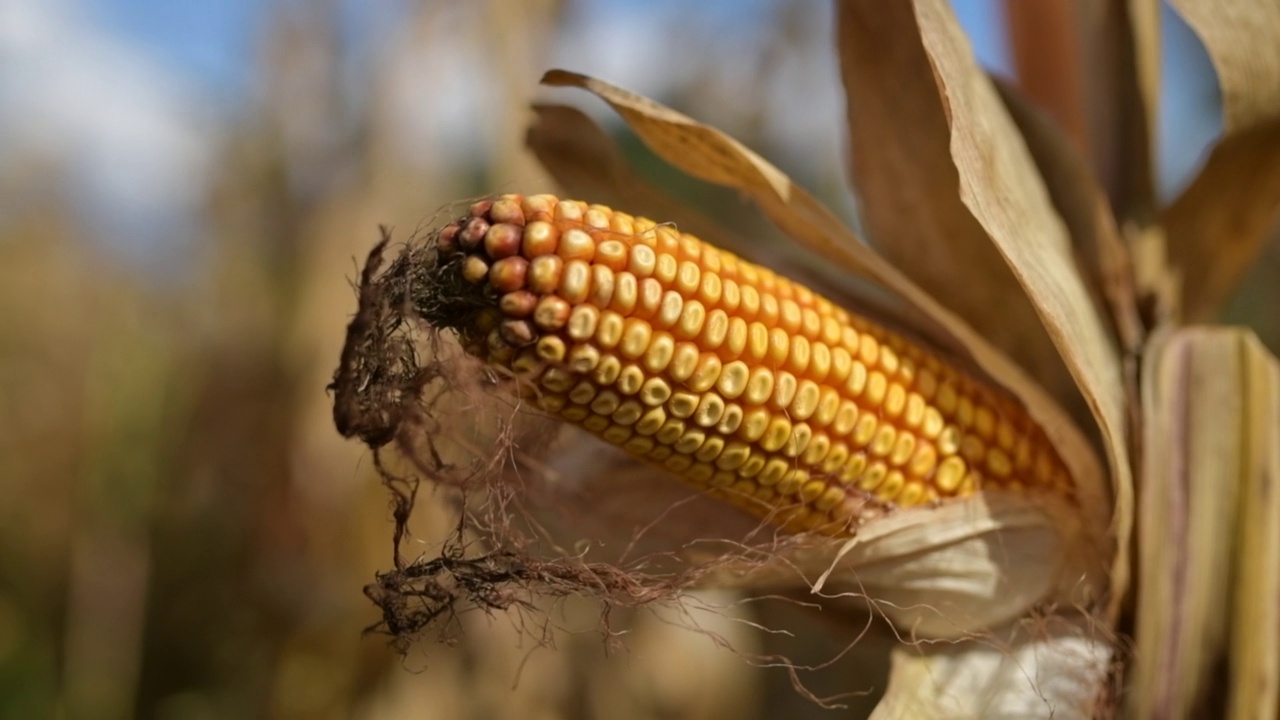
(741, 382)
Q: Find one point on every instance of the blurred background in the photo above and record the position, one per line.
(184, 191)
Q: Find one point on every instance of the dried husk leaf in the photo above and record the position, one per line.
(1002, 189)
(1207, 524)
(1034, 669)
(1218, 226)
(708, 154)
(908, 188)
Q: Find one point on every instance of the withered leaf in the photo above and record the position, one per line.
(1217, 227)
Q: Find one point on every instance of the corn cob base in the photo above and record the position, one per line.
(740, 382)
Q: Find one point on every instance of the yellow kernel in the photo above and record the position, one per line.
(655, 391)
(998, 463)
(841, 365)
(846, 416)
(750, 304)
(912, 493)
(759, 386)
(949, 440)
(932, 424)
(873, 476)
(946, 400)
(972, 483)
(914, 413)
(855, 468)
(628, 413)
(551, 313)
(670, 311)
(819, 361)
(882, 442)
(773, 471)
(836, 458)
(730, 296)
(798, 357)
(622, 223)
(972, 449)
(817, 449)
(474, 269)
(595, 423)
(984, 421)
(617, 434)
(604, 404)
(651, 421)
(877, 387)
(779, 345)
(567, 210)
(895, 401)
(683, 404)
(687, 279)
(902, 448)
(710, 408)
(923, 461)
(690, 441)
(557, 380)
(888, 360)
(723, 479)
(602, 284)
(576, 244)
(964, 413)
(575, 413)
(550, 349)
(642, 261)
(660, 452)
(857, 379)
(864, 429)
(730, 419)
(706, 373)
(683, 362)
(733, 456)
(830, 498)
(892, 485)
(607, 371)
(757, 341)
(851, 341)
(671, 431)
(609, 330)
(539, 238)
(806, 400)
(868, 350)
(784, 390)
(665, 269)
(828, 406)
(711, 449)
(551, 403)
(733, 379)
(754, 423)
(582, 322)
(753, 466)
(777, 434)
(949, 474)
(692, 317)
(789, 315)
(660, 352)
(926, 384)
(801, 433)
(626, 291)
(636, 335)
(650, 300)
(630, 380)
(715, 329)
(582, 393)
(612, 254)
(812, 490)
(736, 337)
(710, 290)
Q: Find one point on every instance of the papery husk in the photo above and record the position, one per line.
(1209, 529)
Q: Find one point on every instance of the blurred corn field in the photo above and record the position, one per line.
(182, 532)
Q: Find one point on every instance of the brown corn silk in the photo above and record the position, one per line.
(740, 382)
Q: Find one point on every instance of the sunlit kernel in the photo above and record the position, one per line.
(868, 350)
(810, 322)
(882, 442)
(806, 400)
(893, 483)
(895, 401)
(661, 349)
(714, 329)
(784, 389)
(684, 361)
(665, 269)
(735, 338)
(798, 442)
(888, 360)
(779, 345)
(769, 309)
(622, 224)
(650, 300)
(819, 361)
(914, 413)
(582, 322)
(750, 305)
(626, 292)
(854, 469)
(710, 289)
(576, 244)
(630, 380)
(706, 373)
(628, 413)
(864, 429)
(798, 357)
(789, 315)
(671, 431)
(911, 494)
(730, 295)
(902, 448)
(949, 440)
(687, 279)
(932, 424)
(683, 404)
(730, 419)
(672, 308)
(692, 317)
(636, 335)
(857, 379)
(851, 340)
(711, 449)
(609, 329)
(877, 388)
(568, 211)
(754, 424)
(602, 284)
(539, 238)
(612, 254)
(950, 473)
(607, 371)
(759, 386)
(873, 475)
(655, 391)
(776, 434)
(845, 418)
(710, 409)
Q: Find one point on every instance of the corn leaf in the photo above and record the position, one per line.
(1208, 543)
(1219, 225)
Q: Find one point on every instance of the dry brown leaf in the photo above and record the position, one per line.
(1210, 396)
(1001, 187)
(708, 154)
(909, 191)
(1218, 226)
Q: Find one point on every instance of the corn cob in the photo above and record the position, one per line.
(739, 381)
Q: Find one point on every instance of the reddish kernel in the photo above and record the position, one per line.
(508, 274)
(518, 304)
(502, 241)
(518, 333)
(508, 211)
(540, 238)
(480, 207)
(447, 240)
(473, 233)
